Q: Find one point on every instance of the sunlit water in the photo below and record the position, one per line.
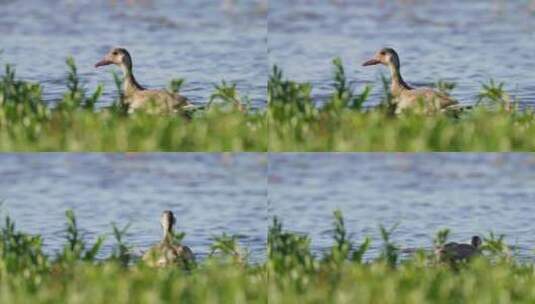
(422, 193)
(210, 194)
(200, 40)
(466, 42)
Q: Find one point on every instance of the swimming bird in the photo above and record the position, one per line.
(405, 96)
(137, 97)
(166, 253)
(455, 252)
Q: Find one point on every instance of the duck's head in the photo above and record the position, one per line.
(167, 220)
(385, 56)
(117, 56)
(476, 241)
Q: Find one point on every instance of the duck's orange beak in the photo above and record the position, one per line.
(371, 62)
(103, 62)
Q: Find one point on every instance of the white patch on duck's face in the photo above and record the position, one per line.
(116, 56)
(388, 58)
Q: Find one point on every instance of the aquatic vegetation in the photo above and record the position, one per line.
(228, 95)
(227, 247)
(344, 95)
(121, 251)
(75, 248)
(494, 95)
(76, 95)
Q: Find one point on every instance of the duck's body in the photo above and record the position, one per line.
(155, 101)
(456, 252)
(406, 97)
(135, 96)
(166, 253)
(431, 100)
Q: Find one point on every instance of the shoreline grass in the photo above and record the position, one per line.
(290, 272)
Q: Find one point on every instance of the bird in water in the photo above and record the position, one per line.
(406, 97)
(453, 252)
(137, 97)
(166, 253)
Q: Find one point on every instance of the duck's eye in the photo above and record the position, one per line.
(383, 53)
(115, 53)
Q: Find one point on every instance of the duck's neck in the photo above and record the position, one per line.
(168, 234)
(130, 85)
(397, 84)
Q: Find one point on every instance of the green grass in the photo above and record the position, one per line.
(290, 273)
(346, 130)
(291, 122)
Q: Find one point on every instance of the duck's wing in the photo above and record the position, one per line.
(440, 99)
(425, 100)
(465, 251)
(445, 100)
(184, 252)
(180, 101)
(158, 101)
(447, 249)
(175, 102)
(450, 245)
(457, 251)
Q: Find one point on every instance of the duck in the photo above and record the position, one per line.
(135, 96)
(456, 252)
(403, 95)
(166, 253)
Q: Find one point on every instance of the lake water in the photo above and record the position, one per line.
(209, 194)
(203, 41)
(466, 42)
(423, 193)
